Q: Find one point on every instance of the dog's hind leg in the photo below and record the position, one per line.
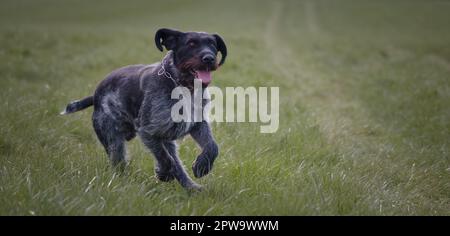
(111, 138)
(169, 164)
(117, 154)
(164, 168)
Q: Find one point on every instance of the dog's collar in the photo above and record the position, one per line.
(163, 71)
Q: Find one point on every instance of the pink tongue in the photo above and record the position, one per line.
(204, 76)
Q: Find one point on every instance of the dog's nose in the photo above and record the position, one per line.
(209, 59)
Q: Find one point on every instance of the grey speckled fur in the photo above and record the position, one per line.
(136, 100)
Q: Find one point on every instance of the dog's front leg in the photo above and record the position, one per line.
(166, 156)
(203, 136)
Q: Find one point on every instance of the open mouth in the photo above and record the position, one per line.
(203, 75)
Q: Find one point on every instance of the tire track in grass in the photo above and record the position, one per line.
(311, 19)
(283, 61)
(345, 125)
(278, 52)
(286, 64)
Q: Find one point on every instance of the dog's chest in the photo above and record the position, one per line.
(174, 118)
(185, 113)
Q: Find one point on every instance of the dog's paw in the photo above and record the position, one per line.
(164, 176)
(202, 166)
(194, 187)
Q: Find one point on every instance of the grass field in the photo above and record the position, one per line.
(364, 108)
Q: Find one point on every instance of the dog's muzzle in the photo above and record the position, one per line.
(204, 73)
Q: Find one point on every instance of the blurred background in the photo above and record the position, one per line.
(364, 107)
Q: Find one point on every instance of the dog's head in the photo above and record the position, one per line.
(195, 53)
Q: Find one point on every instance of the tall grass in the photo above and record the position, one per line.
(364, 108)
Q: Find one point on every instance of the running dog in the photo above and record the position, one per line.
(136, 99)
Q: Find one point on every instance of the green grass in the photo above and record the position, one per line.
(364, 108)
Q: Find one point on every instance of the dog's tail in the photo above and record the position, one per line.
(78, 105)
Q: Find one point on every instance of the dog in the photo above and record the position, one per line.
(136, 100)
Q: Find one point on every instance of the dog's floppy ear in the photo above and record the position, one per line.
(166, 37)
(221, 47)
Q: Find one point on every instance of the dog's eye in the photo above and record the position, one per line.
(192, 44)
(212, 43)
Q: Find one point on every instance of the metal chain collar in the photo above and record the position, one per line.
(164, 72)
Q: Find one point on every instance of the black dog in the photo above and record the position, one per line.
(137, 99)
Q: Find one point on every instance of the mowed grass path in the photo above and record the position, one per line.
(364, 108)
